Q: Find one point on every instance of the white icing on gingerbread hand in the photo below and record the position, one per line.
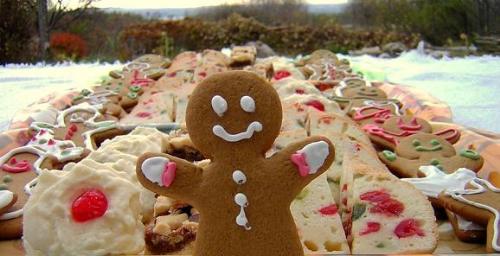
(436, 181)
(311, 157)
(159, 170)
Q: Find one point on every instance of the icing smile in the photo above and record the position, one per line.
(251, 129)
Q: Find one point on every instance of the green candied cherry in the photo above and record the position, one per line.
(358, 210)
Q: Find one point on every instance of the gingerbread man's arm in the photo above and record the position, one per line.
(170, 176)
(301, 162)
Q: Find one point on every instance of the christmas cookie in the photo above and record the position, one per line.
(174, 228)
(344, 144)
(79, 125)
(318, 221)
(19, 166)
(81, 211)
(479, 202)
(373, 112)
(298, 109)
(289, 87)
(319, 122)
(428, 149)
(233, 118)
(242, 56)
(283, 70)
(397, 127)
(211, 62)
(384, 215)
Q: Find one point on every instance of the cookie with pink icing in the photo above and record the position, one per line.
(395, 128)
(77, 125)
(233, 118)
(374, 112)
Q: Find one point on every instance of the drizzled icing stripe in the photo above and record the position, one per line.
(94, 109)
(458, 195)
(436, 181)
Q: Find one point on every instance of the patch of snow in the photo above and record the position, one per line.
(23, 84)
(470, 85)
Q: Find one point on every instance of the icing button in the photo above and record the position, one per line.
(239, 177)
(471, 154)
(389, 155)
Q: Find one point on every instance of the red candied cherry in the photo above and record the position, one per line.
(375, 196)
(371, 227)
(323, 86)
(389, 207)
(316, 104)
(408, 227)
(329, 210)
(91, 204)
(299, 91)
(281, 74)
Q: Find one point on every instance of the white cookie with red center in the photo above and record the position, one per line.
(289, 87)
(285, 70)
(85, 211)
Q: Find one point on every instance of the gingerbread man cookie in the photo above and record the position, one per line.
(233, 118)
(353, 95)
(397, 127)
(78, 125)
(373, 112)
(428, 149)
(479, 202)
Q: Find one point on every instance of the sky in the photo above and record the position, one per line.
(150, 4)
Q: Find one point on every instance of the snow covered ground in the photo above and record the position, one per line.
(471, 85)
(23, 84)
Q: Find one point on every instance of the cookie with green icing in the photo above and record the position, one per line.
(428, 149)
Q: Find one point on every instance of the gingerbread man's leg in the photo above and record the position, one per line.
(168, 175)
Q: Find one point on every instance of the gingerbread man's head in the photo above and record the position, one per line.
(363, 92)
(416, 145)
(233, 112)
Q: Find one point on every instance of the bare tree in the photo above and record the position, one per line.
(51, 13)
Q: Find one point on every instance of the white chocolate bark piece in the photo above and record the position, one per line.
(50, 228)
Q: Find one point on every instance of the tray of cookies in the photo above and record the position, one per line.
(208, 154)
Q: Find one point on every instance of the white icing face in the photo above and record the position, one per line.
(219, 105)
(247, 103)
(153, 168)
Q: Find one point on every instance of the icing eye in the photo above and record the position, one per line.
(219, 105)
(416, 143)
(435, 142)
(247, 104)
